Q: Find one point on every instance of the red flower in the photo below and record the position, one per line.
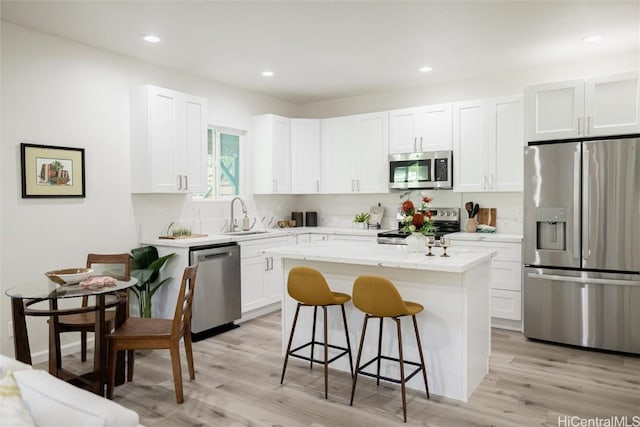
(407, 207)
(428, 214)
(427, 199)
(418, 219)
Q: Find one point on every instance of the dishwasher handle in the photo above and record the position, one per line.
(209, 257)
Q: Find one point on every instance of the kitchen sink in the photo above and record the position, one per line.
(244, 233)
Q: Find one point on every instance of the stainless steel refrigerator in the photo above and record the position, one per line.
(581, 247)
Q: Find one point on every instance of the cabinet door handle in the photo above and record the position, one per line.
(266, 264)
(421, 149)
(588, 125)
(352, 185)
(186, 182)
(579, 127)
(275, 186)
(491, 182)
(358, 184)
(415, 144)
(317, 186)
(179, 182)
(484, 181)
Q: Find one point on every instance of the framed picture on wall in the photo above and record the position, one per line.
(49, 171)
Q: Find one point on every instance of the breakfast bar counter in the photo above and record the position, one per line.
(454, 326)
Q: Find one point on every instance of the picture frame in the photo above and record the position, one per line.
(50, 171)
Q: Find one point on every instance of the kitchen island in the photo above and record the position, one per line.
(454, 327)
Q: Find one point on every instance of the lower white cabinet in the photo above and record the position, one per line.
(506, 278)
(260, 272)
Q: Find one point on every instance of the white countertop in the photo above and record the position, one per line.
(486, 237)
(394, 256)
(214, 239)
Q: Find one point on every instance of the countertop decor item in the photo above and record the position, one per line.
(360, 219)
(68, 276)
(417, 220)
(297, 217)
(311, 219)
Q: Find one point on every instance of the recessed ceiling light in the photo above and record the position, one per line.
(267, 74)
(151, 38)
(592, 39)
(425, 69)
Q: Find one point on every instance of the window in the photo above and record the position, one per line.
(223, 157)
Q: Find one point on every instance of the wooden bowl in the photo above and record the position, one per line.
(68, 276)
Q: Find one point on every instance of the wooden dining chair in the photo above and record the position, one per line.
(148, 333)
(86, 322)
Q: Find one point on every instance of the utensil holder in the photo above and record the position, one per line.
(471, 226)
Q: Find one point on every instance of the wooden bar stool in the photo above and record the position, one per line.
(378, 298)
(310, 289)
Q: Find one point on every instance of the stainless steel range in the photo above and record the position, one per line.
(446, 219)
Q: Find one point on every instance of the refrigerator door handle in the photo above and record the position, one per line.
(583, 280)
(586, 251)
(576, 205)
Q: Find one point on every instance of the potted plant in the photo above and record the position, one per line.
(145, 266)
(360, 219)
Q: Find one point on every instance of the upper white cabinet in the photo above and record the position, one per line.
(599, 106)
(354, 154)
(168, 141)
(305, 156)
(271, 154)
(488, 144)
(427, 128)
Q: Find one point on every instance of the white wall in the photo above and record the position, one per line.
(58, 92)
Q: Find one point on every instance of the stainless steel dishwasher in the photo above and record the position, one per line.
(216, 301)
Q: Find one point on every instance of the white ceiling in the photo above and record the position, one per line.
(325, 50)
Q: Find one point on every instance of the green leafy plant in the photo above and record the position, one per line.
(145, 266)
(362, 217)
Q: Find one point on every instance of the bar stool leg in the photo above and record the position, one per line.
(326, 355)
(379, 351)
(355, 376)
(346, 334)
(424, 368)
(401, 359)
(293, 329)
(313, 336)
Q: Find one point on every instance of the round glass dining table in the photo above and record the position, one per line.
(25, 301)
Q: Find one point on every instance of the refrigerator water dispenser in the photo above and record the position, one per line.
(551, 228)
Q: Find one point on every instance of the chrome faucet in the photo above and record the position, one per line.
(232, 222)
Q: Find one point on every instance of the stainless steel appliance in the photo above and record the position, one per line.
(216, 301)
(431, 169)
(446, 219)
(582, 243)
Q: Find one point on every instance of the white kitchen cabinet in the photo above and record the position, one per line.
(488, 145)
(354, 154)
(168, 141)
(261, 273)
(305, 156)
(271, 154)
(598, 106)
(427, 128)
(506, 277)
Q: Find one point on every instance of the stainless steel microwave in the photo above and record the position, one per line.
(429, 170)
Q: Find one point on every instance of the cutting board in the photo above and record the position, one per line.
(487, 216)
(182, 237)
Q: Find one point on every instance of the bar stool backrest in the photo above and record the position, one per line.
(378, 297)
(309, 286)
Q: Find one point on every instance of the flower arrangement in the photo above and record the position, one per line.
(417, 220)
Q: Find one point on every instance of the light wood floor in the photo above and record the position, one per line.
(238, 384)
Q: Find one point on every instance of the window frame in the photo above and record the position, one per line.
(216, 196)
